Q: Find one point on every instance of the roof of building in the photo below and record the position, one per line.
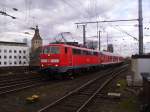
(13, 43)
(36, 34)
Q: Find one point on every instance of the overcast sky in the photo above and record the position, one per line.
(55, 16)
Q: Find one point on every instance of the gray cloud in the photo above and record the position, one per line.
(55, 16)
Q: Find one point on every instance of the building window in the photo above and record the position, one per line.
(24, 62)
(10, 57)
(19, 51)
(5, 57)
(5, 63)
(24, 57)
(19, 57)
(10, 51)
(24, 51)
(10, 63)
(0, 57)
(15, 57)
(5, 51)
(19, 62)
(15, 62)
(15, 51)
(0, 50)
(0, 63)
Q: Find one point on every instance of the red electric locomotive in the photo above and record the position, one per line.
(61, 58)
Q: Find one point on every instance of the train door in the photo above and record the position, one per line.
(68, 56)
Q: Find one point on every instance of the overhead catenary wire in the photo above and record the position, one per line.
(119, 29)
(106, 21)
(73, 7)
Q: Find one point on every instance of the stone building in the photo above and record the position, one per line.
(36, 40)
(36, 45)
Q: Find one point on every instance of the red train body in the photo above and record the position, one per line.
(63, 58)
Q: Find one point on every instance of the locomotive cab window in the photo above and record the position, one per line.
(51, 50)
(54, 50)
(45, 50)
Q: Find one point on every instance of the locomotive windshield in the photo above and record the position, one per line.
(51, 50)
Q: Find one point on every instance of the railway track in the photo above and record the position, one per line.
(17, 82)
(78, 99)
(13, 84)
(16, 76)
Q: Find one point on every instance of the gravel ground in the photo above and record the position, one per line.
(128, 102)
(16, 102)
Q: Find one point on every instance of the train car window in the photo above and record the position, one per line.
(84, 52)
(76, 51)
(66, 50)
(95, 53)
(88, 53)
(113, 58)
(91, 53)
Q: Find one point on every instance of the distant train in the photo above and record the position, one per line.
(62, 58)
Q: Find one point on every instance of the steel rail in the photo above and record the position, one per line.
(44, 109)
(22, 88)
(98, 90)
(19, 81)
(22, 83)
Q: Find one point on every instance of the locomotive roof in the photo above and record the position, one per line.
(82, 48)
(65, 45)
(108, 53)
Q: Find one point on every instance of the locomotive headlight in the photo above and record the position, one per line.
(43, 60)
(56, 65)
(54, 60)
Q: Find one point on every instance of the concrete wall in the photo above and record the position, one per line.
(140, 65)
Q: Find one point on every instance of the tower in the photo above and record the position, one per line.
(36, 46)
(110, 48)
(36, 40)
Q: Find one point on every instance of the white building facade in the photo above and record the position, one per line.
(14, 54)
